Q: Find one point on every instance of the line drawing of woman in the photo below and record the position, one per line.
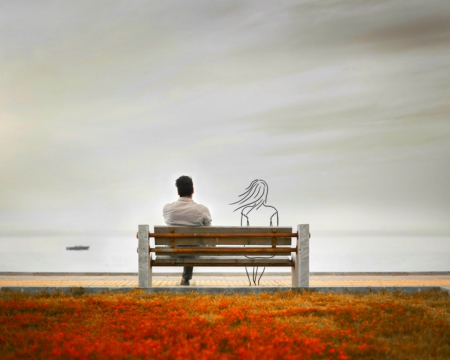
(255, 198)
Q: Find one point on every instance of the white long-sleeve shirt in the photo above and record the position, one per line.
(186, 212)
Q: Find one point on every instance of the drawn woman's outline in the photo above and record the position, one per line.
(253, 198)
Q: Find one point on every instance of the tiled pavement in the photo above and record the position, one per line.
(222, 280)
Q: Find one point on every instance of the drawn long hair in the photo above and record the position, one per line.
(254, 196)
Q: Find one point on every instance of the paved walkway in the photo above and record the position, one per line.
(222, 280)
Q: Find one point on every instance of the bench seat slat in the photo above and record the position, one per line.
(229, 241)
(217, 251)
(221, 261)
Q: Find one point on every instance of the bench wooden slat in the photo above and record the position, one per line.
(235, 241)
(225, 251)
(218, 236)
(220, 261)
(222, 230)
(164, 229)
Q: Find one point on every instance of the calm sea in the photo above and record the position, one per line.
(328, 254)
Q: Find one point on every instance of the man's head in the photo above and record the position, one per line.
(185, 186)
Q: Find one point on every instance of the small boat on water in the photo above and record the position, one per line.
(77, 247)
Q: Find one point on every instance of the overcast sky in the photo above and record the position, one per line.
(342, 107)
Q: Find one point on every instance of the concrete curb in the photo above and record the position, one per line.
(446, 289)
(228, 290)
(177, 274)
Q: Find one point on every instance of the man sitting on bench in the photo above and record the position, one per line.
(186, 212)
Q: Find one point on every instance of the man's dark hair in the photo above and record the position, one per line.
(185, 186)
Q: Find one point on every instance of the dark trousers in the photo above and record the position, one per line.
(187, 272)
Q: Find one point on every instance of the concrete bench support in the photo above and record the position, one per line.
(144, 273)
(303, 255)
(300, 271)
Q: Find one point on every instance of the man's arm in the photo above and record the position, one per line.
(166, 214)
(207, 220)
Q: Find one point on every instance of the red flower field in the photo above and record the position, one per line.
(288, 325)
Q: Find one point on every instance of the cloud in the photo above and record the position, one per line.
(103, 104)
(427, 32)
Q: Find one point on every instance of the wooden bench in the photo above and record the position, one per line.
(223, 246)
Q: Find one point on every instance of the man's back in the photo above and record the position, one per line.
(186, 212)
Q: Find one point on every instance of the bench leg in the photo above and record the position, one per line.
(300, 272)
(145, 271)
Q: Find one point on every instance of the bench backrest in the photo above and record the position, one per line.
(280, 241)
